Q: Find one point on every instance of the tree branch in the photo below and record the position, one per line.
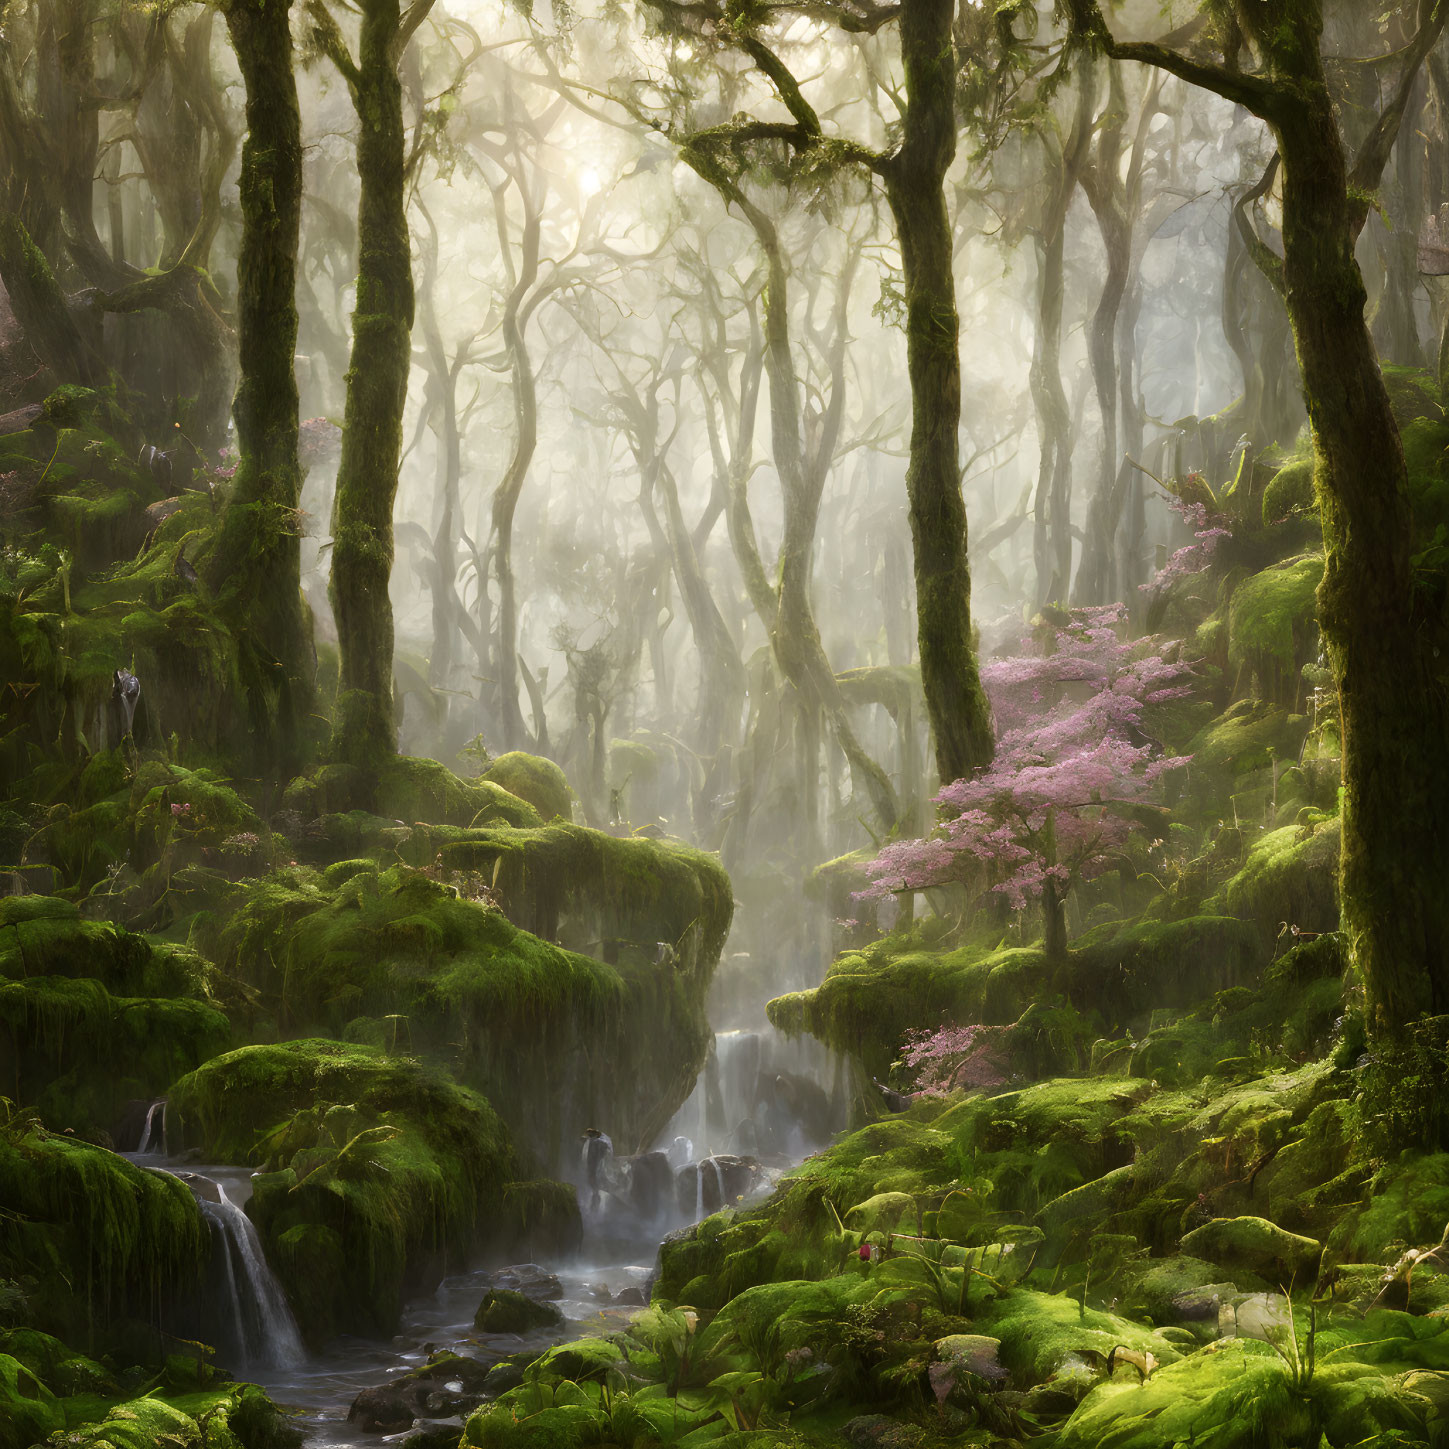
(1264, 98)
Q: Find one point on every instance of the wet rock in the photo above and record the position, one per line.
(651, 1183)
(383, 1409)
(631, 1298)
(527, 1278)
(447, 1385)
(201, 1187)
(435, 1436)
(502, 1377)
(504, 1311)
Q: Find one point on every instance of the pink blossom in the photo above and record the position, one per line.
(1075, 761)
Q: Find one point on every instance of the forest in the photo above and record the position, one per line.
(724, 724)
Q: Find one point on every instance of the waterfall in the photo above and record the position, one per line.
(246, 1308)
(153, 1131)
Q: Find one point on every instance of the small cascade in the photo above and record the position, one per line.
(153, 1130)
(762, 1095)
(245, 1312)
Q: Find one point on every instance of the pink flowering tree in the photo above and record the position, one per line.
(1076, 772)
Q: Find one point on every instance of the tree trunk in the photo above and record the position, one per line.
(1054, 922)
(256, 564)
(915, 188)
(1395, 853)
(364, 730)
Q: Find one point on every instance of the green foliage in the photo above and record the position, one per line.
(96, 1239)
(376, 1170)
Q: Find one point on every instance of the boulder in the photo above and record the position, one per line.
(503, 1311)
(1257, 1246)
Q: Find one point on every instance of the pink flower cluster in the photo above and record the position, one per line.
(953, 1057)
(317, 439)
(1074, 766)
(1196, 556)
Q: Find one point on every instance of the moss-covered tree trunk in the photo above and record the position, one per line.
(1391, 688)
(256, 563)
(915, 187)
(1395, 861)
(364, 729)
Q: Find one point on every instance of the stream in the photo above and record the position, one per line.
(761, 1104)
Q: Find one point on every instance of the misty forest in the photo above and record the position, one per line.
(724, 723)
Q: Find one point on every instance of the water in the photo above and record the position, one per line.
(761, 1104)
(153, 1130)
(256, 1327)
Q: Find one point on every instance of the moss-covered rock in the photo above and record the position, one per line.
(504, 1311)
(1289, 880)
(91, 1240)
(380, 1175)
(1247, 737)
(399, 958)
(1256, 1246)
(871, 997)
(535, 780)
(94, 1016)
(1289, 490)
(408, 789)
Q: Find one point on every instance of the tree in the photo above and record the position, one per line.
(363, 729)
(912, 174)
(1068, 786)
(256, 562)
(1392, 693)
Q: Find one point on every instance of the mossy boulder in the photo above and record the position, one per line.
(1247, 737)
(379, 1174)
(1271, 623)
(1290, 879)
(398, 957)
(1289, 490)
(91, 1240)
(1255, 1245)
(29, 1412)
(95, 1015)
(408, 789)
(870, 998)
(504, 1311)
(536, 780)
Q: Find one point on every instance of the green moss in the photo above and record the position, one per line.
(1290, 878)
(503, 1311)
(1413, 394)
(28, 1410)
(1041, 1332)
(409, 789)
(1238, 1394)
(99, 1239)
(380, 1174)
(1246, 737)
(541, 1030)
(1272, 614)
(535, 780)
(1257, 1246)
(871, 997)
(95, 1016)
(1290, 490)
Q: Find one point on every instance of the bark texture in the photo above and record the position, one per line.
(256, 564)
(915, 188)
